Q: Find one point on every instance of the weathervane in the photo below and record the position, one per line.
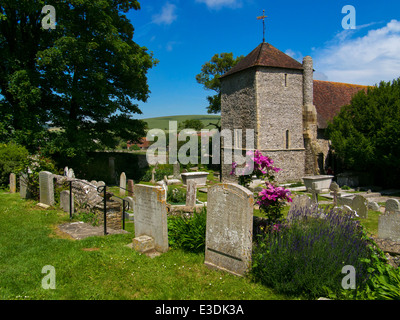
(263, 19)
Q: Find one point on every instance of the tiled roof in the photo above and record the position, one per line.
(329, 97)
(267, 56)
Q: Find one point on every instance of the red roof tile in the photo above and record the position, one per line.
(265, 55)
(329, 97)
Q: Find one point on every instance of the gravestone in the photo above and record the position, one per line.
(314, 192)
(191, 193)
(150, 209)
(153, 173)
(360, 205)
(300, 202)
(23, 186)
(392, 205)
(389, 226)
(334, 188)
(13, 183)
(71, 173)
(64, 201)
(122, 184)
(177, 170)
(229, 229)
(131, 185)
(372, 205)
(46, 188)
(66, 171)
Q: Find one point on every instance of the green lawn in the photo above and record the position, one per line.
(163, 122)
(101, 267)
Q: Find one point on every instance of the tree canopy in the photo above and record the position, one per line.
(209, 76)
(365, 135)
(84, 77)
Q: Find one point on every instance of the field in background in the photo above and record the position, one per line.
(163, 122)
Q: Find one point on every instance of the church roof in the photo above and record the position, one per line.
(265, 55)
(329, 97)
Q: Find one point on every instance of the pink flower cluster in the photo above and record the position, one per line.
(272, 194)
(261, 164)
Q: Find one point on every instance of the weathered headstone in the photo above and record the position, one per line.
(191, 193)
(66, 171)
(177, 170)
(389, 226)
(46, 188)
(131, 185)
(122, 184)
(150, 209)
(65, 201)
(300, 202)
(360, 205)
(392, 205)
(314, 192)
(334, 188)
(71, 173)
(23, 186)
(229, 229)
(372, 205)
(13, 183)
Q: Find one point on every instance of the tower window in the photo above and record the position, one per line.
(287, 139)
(286, 80)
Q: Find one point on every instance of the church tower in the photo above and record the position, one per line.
(268, 92)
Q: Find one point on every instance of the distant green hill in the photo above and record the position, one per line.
(163, 122)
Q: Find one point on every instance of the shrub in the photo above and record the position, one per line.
(176, 195)
(162, 170)
(305, 256)
(188, 233)
(12, 156)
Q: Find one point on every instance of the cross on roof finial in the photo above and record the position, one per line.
(263, 19)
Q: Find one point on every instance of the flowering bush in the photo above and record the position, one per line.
(272, 198)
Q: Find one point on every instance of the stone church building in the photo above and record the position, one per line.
(276, 96)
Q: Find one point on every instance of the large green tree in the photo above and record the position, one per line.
(84, 77)
(209, 76)
(366, 134)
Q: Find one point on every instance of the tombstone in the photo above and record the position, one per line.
(150, 210)
(392, 205)
(314, 192)
(302, 201)
(389, 226)
(191, 193)
(66, 172)
(129, 208)
(64, 201)
(372, 205)
(177, 170)
(165, 187)
(23, 186)
(153, 173)
(122, 184)
(131, 185)
(71, 173)
(360, 205)
(46, 188)
(334, 187)
(229, 229)
(13, 183)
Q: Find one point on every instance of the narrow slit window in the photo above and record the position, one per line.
(286, 80)
(287, 139)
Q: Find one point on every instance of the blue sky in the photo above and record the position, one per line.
(184, 34)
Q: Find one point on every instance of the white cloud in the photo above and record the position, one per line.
(167, 14)
(297, 55)
(217, 4)
(362, 60)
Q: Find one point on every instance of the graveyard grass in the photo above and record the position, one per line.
(101, 268)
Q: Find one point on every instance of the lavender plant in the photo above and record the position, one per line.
(305, 256)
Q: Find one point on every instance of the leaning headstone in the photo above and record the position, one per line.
(229, 228)
(191, 193)
(131, 184)
(65, 201)
(392, 205)
(13, 183)
(46, 188)
(360, 205)
(122, 184)
(150, 209)
(389, 226)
